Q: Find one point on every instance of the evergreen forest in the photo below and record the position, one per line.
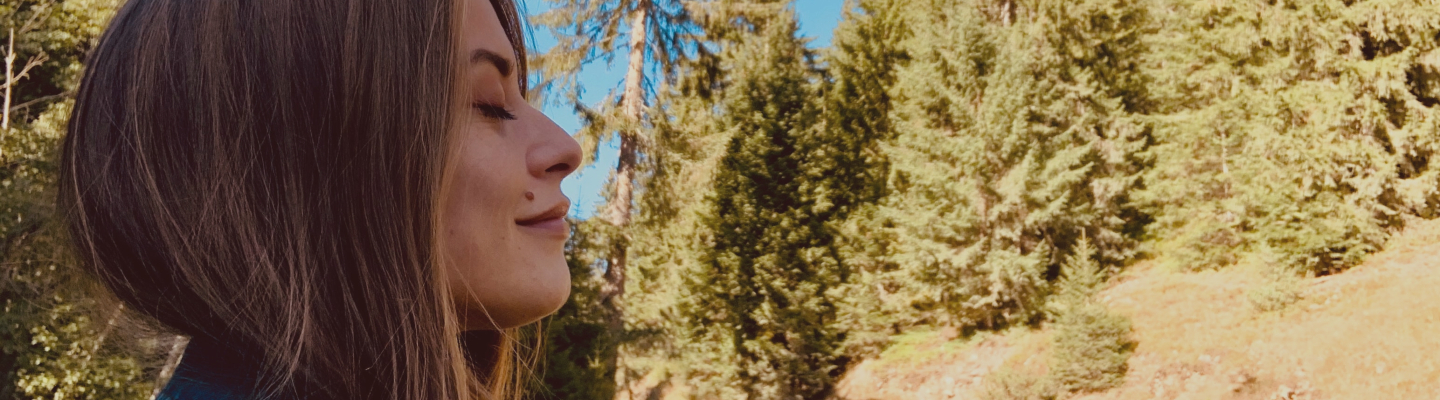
(781, 214)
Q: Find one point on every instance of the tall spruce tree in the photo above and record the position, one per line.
(860, 65)
(951, 272)
(656, 33)
(681, 147)
(1016, 133)
(686, 147)
(757, 309)
(653, 35)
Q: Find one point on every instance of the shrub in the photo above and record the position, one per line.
(1280, 290)
(1091, 349)
(1091, 344)
(1007, 384)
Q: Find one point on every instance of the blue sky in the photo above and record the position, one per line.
(817, 19)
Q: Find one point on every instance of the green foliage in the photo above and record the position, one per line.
(937, 206)
(861, 63)
(757, 306)
(1007, 384)
(977, 164)
(1276, 293)
(57, 340)
(1091, 344)
(1306, 127)
(592, 31)
(1001, 158)
(1281, 287)
(665, 236)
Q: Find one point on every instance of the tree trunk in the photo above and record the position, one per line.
(621, 203)
(9, 80)
(1002, 11)
(613, 292)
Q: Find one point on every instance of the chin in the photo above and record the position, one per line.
(513, 304)
(536, 309)
(556, 288)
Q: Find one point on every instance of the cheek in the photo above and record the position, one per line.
(475, 209)
(496, 272)
(478, 227)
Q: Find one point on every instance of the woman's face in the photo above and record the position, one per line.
(502, 214)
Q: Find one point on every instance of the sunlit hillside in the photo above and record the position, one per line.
(1368, 333)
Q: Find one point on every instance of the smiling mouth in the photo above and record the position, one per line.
(556, 212)
(551, 222)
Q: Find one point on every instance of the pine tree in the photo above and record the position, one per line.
(935, 123)
(757, 308)
(1092, 345)
(1002, 157)
(1093, 85)
(656, 33)
(664, 245)
(860, 63)
(684, 145)
(861, 66)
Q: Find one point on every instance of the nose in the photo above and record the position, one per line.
(554, 154)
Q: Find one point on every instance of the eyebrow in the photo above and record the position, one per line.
(500, 63)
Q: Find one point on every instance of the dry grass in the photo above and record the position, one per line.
(936, 364)
(1358, 335)
(1369, 333)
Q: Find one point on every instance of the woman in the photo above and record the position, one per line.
(335, 199)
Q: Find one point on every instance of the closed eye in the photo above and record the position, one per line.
(493, 111)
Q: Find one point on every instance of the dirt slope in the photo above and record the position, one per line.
(1370, 333)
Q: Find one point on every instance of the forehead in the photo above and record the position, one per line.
(480, 28)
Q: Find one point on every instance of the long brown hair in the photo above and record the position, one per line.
(265, 174)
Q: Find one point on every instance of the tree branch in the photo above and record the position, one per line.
(36, 100)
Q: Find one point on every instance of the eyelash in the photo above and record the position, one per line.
(493, 111)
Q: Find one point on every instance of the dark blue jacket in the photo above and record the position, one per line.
(211, 371)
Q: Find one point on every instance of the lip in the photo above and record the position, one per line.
(548, 223)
